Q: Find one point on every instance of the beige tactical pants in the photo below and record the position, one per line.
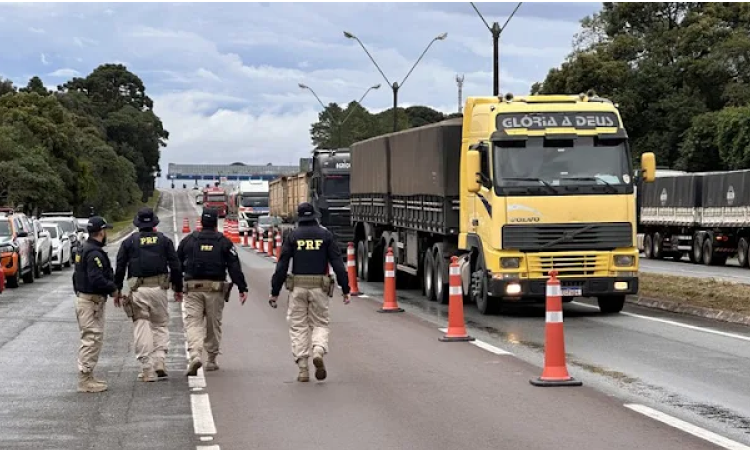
(151, 320)
(200, 305)
(90, 316)
(307, 317)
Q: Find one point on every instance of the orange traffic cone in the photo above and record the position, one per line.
(555, 371)
(257, 237)
(246, 239)
(269, 243)
(260, 242)
(198, 224)
(456, 325)
(235, 232)
(351, 267)
(390, 305)
(278, 245)
(185, 225)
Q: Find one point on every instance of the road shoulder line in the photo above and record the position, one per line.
(687, 427)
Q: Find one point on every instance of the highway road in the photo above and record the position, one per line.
(651, 380)
(730, 272)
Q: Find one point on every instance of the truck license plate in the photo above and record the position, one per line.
(571, 292)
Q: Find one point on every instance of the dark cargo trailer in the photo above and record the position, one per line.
(405, 195)
(704, 215)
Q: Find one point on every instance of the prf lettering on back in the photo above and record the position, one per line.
(309, 244)
(149, 240)
(207, 248)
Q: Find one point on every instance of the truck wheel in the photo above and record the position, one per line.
(12, 281)
(361, 260)
(428, 274)
(696, 256)
(441, 283)
(658, 243)
(611, 304)
(742, 247)
(710, 257)
(648, 246)
(479, 293)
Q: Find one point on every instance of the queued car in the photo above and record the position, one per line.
(17, 247)
(43, 250)
(265, 223)
(61, 251)
(69, 226)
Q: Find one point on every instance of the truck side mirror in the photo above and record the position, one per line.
(648, 167)
(473, 168)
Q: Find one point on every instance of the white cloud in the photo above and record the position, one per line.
(62, 73)
(224, 80)
(36, 30)
(44, 59)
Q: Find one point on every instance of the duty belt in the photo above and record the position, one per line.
(309, 282)
(204, 286)
(92, 297)
(161, 281)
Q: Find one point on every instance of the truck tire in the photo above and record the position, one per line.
(441, 280)
(742, 248)
(648, 246)
(710, 257)
(486, 305)
(658, 246)
(611, 304)
(428, 276)
(361, 260)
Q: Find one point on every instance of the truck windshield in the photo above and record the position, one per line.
(217, 198)
(553, 166)
(254, 202)
(336, 184)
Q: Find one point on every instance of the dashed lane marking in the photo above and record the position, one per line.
(676, 324)
(484, 346)
(687, 427)
(200, 404)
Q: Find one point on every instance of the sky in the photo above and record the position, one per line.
(224, 77)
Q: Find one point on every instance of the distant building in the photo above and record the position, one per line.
(231, 172)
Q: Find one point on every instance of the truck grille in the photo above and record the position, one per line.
(571, 237)
(571, 265)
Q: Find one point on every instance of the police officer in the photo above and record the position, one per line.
(313, 248)
(93, 281)
(151, 262)
(206, 256)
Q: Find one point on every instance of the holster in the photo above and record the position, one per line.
(127, 305)
(227, 290)
(204, 286)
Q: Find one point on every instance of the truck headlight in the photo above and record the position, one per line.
(510, 263)
(624, 260)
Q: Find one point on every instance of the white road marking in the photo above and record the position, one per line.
(200, 405)
(483, 345)
(687, 427)
(677, 324)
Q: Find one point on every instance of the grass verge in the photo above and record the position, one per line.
(700, 292)
(120, 226)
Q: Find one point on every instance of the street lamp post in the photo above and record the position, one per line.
(395, 86)
(341, 124)
(496, 30)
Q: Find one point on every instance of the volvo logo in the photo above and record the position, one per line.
(524, 219)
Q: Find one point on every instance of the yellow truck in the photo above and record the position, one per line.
(519, 187)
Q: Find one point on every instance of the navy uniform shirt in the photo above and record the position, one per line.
(93, 270)
(312, 247)
(208, 255)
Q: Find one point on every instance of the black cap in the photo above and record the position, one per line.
(210, 217)
(146, 218)
(97, 224)
(305, 212)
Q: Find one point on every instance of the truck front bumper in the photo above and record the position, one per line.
(534, 290)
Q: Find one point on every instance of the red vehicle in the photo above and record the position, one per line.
(215, 197)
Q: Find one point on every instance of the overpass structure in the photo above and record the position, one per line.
(230, 172)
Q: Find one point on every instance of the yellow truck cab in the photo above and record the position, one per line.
(546, 183)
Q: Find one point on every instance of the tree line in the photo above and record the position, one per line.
(93, 143)
(339, 127)
(679, 73)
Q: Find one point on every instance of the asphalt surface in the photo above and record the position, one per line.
(391, 383)
(684, 268)
(39, 405)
